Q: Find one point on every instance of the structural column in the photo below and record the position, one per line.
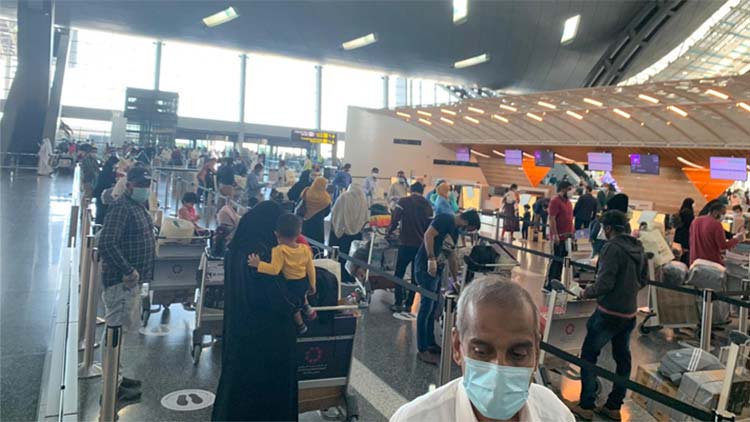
(243, 84)
(318, 103)
(157, 65)
(62, 46)
(386, 94)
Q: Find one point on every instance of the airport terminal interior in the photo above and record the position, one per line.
(436, 210)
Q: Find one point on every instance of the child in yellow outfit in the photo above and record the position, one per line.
(295, 262)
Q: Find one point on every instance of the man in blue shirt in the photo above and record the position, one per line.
(429, 271)
(342, 180)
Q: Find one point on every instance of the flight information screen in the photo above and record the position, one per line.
(729, 168)
(644, 163)
(544, 158)
(513, 157)
(600, 161)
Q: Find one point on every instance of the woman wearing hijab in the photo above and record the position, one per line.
(258, 379)
(105, 180)
(510, 218)
(317, 204)
(686, 215)
(45, 151)
(348, 216)
(296, 190)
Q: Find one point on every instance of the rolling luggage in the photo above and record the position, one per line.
(677, 362)
(674, 273)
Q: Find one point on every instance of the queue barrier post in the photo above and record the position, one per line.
(166, 190)
(88, 368)
(73, 226)
(707, 319)
(497, 225)
(743, 310)
(85, 286)
(111, 362)
(445, 356)
(335, 253)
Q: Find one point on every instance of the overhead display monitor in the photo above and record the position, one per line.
(463, 154)
(513, 157)
(729, 168)
(600, 161)
(544, 158)
(644, 164)
(314, 136)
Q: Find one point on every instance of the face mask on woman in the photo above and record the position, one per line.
(497, 392)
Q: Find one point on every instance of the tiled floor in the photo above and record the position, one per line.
(33, 212)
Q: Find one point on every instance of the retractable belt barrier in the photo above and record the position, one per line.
(716, 296)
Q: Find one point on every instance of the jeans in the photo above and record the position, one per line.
(427, 307)
(581, 224)
(555, 267)
(406, 256)
(602, 329)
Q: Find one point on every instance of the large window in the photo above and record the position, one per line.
(344, 86)
(102, 64)
(8, 62)
(206, 78)
(280, 91)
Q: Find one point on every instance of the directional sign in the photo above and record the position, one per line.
(314, 137)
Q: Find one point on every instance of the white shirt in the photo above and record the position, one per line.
(450, 403)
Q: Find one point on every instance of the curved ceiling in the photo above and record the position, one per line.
(416, 38)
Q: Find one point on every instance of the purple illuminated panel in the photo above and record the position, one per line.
(600, 161)
(729, 168)
(463, 154)
(544, 158)
(644, 164)
(513, 157)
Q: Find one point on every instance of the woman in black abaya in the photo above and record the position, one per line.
(258, 366)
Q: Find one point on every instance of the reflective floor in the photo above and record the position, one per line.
(33, 212)
(385, 372)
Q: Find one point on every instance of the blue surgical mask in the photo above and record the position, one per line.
(497, 392)
(140, 195)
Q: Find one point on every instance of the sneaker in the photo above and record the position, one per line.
(130, 383)
(301, 329)
(583, 414)
(397, 309)
(435, 349)
(428, 357)
(613, 414)
(310, 313)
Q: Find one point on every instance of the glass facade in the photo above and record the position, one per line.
(206, 78)
(280, 91)
(344, 87)
(101, 65)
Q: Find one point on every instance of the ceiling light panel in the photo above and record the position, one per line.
(472, 61)
(547, 105)
(407, 116)
(621, 113)
(689, 163)
(475, 110)
(509, 108)
(424, 113)
(360, 42)
(219, 18)
(425, 121)
(717, 94)
(460, 11)
(498, 153)
(471, 119)
(677, 110)
(449, 112)
(501, 118)
(479, 154)
(570, 29)
(593, 102)
(648, 98)
(535, 117)
(744, 106)
(574, 114)
(447, 120)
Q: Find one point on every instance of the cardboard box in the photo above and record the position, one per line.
(648, 375)
(702, 389)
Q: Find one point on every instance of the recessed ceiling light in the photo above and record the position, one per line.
(219, 18)
(689, 163)
(527, 155)
(535, 117)
(472, 61)
(408, 116)
(546, 104)
(717, 94)
(564, 158)
(496, 152)
(460, 11)
(648, 98)
(677, 110)
(447, 120)
(501, 118)
(360, 42)
(479, 154)
(425, 121)
(744, 106)
(594, 102)
(574, 114)
(446, 111)
(570, 29)
(471, 119)
(475, 110)
(621, 113)
(507, 107)
(424, 113)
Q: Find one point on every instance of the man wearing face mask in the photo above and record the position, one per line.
(430, 262)
(560, 227)
(498, 356)
(621, 272)
(126, 247)
(371, 183)
(400, 189)
(707, 238)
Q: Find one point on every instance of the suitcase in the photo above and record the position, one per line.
(674, 273)
(707, 275)
(691, 359)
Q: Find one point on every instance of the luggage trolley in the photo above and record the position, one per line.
(175, 272)
(209, 304)
(667, 308)
(324, 358)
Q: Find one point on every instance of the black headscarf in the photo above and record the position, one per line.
(296, 190)
(106, 178)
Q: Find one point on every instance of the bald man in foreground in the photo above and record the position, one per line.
(498, 356)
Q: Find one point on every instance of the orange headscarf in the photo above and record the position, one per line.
(316, 198)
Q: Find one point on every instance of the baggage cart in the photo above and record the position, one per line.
(209, 303)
